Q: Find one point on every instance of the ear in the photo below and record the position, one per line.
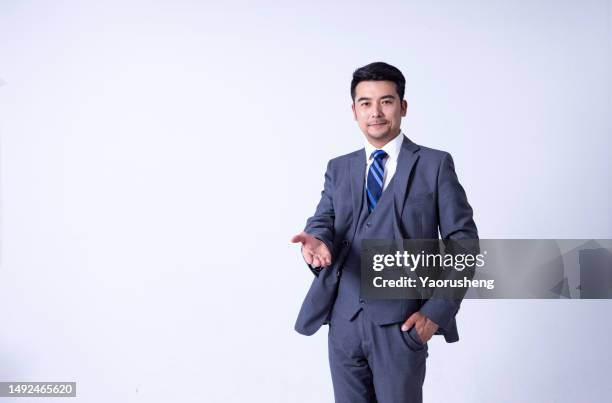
(354, 112)
(404, 107)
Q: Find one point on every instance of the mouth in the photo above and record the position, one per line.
(377, 124)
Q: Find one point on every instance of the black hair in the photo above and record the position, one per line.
(379, 71)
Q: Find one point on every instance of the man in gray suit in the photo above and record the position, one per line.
(390, 189)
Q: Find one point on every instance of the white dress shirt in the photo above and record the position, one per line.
(392, 149)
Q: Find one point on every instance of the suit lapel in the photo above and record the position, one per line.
(405, 163)
(357, 175)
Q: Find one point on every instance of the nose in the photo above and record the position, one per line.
(376, 110)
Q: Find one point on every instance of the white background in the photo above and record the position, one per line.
(156, 158)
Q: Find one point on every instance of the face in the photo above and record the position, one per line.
(378, 111)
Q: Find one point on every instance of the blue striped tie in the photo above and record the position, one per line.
(376, 175)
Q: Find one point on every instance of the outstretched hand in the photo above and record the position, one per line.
(314, 251)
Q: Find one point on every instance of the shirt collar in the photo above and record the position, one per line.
(392, 148)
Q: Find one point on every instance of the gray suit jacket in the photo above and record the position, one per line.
(427, 198)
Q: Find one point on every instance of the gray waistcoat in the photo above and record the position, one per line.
(375, 225)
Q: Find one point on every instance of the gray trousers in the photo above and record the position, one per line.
(375, 364)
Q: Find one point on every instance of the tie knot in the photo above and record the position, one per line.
(379, 155)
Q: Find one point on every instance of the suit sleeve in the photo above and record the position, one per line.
(321, 224)
(456, 223)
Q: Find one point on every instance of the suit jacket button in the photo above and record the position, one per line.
(345, 243)
(368, 223)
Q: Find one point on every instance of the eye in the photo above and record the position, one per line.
(387, 101)
(365, 104)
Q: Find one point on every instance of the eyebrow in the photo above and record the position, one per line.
(369, 99)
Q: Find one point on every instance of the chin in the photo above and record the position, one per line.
(379, 135)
